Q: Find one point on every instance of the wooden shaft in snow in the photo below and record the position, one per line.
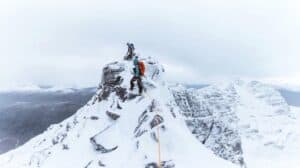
(158, 145)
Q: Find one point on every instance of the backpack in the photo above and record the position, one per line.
(132, 46)
(142, 68)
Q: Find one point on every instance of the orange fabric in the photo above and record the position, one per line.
(142, 68)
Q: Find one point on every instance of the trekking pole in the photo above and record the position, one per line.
(158, 145)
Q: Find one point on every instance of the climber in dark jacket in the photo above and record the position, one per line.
(130, 52)
(136, 76)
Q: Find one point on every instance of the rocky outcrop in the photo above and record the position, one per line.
(149, 119)
(111, 82)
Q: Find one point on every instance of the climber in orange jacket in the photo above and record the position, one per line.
(138, 70)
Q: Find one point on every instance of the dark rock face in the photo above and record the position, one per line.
(211, 117)
(111, 82)
(59, 138)
(101, 148)
(111, 75)
(66, 147)
(98, 145)
(149, 119)
(164, 164)
(101, 164)
(94, 118)
(112, 115)
(157, 119)
(139, 131)
(88, 165)
(132, 96)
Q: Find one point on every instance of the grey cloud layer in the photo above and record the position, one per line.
(67, 42)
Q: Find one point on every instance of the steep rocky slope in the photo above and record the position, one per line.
(239, 120)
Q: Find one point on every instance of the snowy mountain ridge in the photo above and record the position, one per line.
(217, 126)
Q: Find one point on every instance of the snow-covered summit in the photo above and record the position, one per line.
(198, 128)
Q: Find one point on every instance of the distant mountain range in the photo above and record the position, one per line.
(25, 114)
(291, 96)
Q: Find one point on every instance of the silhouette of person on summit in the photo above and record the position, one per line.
(130, 52)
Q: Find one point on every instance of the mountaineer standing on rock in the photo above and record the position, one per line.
(138, 70)
(130, 52)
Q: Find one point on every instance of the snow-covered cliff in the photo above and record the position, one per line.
(217, 126)
(243, 122)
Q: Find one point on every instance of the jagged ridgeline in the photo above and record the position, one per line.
(118, 128)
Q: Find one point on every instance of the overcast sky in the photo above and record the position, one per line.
(66, 42)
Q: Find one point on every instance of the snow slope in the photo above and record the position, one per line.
(91, 138)
(269, 128)
(230, 125)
